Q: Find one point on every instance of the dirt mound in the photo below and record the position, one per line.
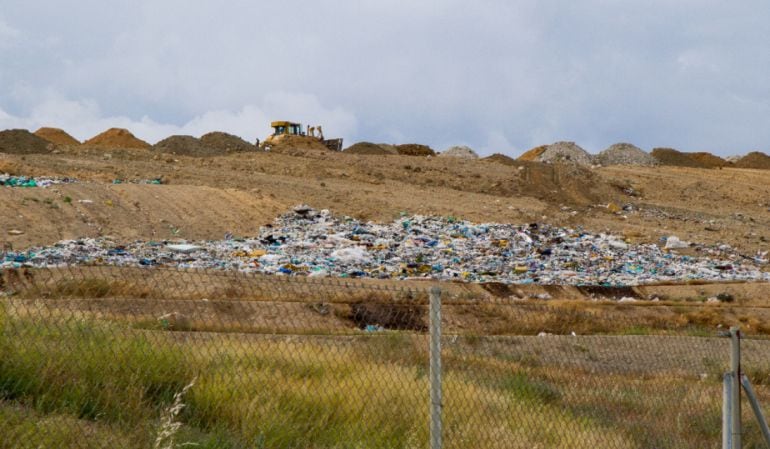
(414, 149)
(370, 148)
(21, 141)
(225, 142)
(670, 156)
(57, 136)
(461, 152)
(500, 159)
(299, 146)
(755, 159)
(533, 154)
(707, 159)
(185, 146)
(565, 152)
(625, 154)
(116, 138)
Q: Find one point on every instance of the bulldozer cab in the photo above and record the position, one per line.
(290, 128)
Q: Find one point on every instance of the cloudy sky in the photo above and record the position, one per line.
(498, 75)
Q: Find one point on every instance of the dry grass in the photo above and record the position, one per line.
(109, 381)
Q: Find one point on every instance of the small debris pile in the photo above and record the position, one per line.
(708, 160)
(21, 141)
(755, 159)
(116, 138)
(533, 155)
(461, 152)
(672, 157)
(185, 146)
(624, 154)
(566, 152)
(307, 242)
(501, 159)
(226, 143)
(370, 148)
(414, 149)
(57, 136)
(7, 180)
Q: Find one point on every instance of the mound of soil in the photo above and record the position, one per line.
(185, 146)
(21, 141)
(500, 159)
(461, 152)
(672, 157)
(116, 138)
(299, 146)
(414, 149)
(370, 148)
(755, 159)
(569, 152)
(624, 154)
(707, 159)
(533, 154)
(225, 142)
(57, 136)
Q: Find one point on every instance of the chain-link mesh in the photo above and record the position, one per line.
(149, 357)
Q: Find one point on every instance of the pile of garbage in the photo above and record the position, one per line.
(309, 242)
(28, 181)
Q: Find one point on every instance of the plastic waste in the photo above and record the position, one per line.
(309, 242)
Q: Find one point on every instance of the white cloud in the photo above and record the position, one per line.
(499, 76)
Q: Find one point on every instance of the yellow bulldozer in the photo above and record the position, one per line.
(284, 131)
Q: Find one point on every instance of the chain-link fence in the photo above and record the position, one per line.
(149, 357)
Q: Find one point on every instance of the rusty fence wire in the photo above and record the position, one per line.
(97, 357)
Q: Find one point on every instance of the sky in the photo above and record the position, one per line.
(500, 76)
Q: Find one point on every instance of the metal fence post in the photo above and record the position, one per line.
(435, 368)
(757, 409)
(727, 413)
(735, 368)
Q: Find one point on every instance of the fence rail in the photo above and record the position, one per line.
(146, 357)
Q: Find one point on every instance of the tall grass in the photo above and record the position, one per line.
(71, 381)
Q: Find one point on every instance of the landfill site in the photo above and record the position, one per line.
(556, 216)
(298, 292)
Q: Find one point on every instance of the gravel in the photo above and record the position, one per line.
(625, 154)
(565, 152)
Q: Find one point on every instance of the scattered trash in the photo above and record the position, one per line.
(673, 242)
(309, 242)
(183, 248)
(154, 181)
(15, 232)
(28, 181)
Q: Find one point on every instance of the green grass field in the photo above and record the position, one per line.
(70, 381)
